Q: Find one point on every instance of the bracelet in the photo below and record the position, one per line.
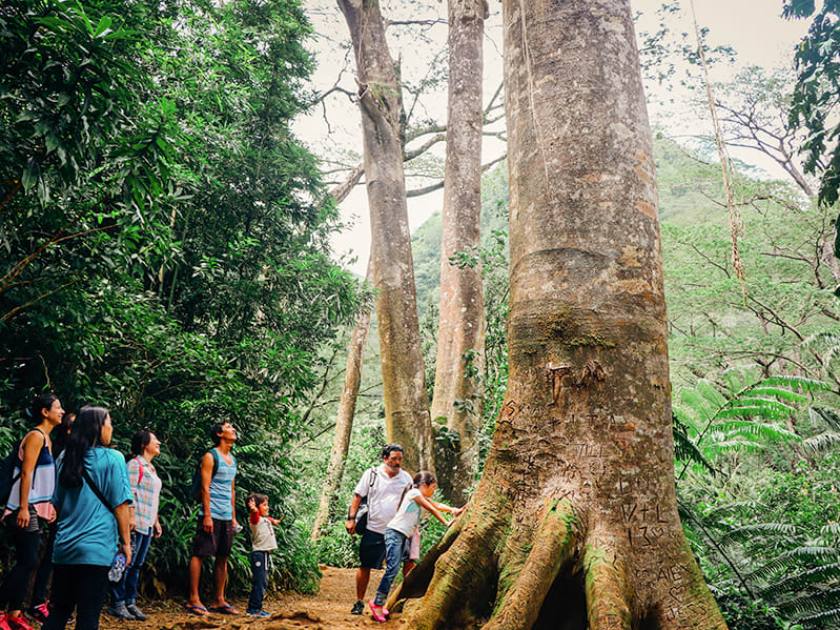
(351, 517)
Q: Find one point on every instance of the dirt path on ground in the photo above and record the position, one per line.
(328, 610)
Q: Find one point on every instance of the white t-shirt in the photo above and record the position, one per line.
(384, 496)
(408, 516)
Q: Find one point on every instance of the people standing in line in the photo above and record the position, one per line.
(145, 487)
(28, 513)
(93, 499)
(263, 542)
(382, 487)
(399, 531)
(217, 521)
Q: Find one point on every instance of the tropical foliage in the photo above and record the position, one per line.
(165, 236)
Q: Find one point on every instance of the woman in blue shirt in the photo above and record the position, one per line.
(87, 538)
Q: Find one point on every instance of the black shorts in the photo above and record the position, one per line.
(372, 550)
(217, 544)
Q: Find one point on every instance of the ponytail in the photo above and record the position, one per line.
(423, 477)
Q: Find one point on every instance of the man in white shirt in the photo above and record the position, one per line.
(383, 487)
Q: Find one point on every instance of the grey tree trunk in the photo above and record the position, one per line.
(344, 420)
(407, 418)
(460, 338)
(574, 524)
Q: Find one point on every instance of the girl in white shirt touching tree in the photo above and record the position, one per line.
(400, 530)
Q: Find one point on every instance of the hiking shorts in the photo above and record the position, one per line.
(217, 544)
(372, 550)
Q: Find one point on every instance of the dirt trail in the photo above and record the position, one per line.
(328, 610)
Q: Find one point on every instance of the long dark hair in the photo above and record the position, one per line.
(39, 403)
(85, 435)
(61, 433)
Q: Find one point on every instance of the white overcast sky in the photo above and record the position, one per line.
(753, 27)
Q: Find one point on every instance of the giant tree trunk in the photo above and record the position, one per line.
(574, 524)
(407, 418)
(460, 339)
(344, 420)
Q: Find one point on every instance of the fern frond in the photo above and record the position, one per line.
(830, 530)
(789, 560)
(818, 602)
(745, 428)
(821, 574)
(827, 416)
(768, 403)
(778, 392)
(758, 529)
(720, 510)
(822, 442)
(823, 619)
(754, 410)
(685, 449)
(736, 446)
(797, 382)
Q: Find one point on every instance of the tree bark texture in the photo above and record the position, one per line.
(574, 524)
(460, 338)
(407, 418)
(344, 420)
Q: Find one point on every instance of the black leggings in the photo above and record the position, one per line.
(79, 587)
(16, 584)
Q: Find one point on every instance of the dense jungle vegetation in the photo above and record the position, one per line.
(165, 252)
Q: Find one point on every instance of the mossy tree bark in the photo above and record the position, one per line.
(574, 523)
(407, 418)
(460, 338)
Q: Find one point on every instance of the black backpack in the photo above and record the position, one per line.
(364, 508)
(195, 488)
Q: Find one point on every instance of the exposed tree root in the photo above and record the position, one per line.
(552, 549)
(606, 602)
(501, 573)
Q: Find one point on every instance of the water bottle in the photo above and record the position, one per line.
(115, 573)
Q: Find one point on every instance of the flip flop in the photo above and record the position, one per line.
(227, 609)
(199, 611)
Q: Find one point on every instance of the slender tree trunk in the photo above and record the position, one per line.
(574, 524)
(407, 418)
(460, 338)
(344, 420)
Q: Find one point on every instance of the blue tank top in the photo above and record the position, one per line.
(221, 489)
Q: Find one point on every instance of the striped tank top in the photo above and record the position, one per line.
(43, 482)
(221, 489)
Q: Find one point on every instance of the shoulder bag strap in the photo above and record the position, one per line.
(96, 489)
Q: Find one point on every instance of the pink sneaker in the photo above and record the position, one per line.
(18, 623)
(376, 611)
(4, 625)
(386, 612)
(40, 613)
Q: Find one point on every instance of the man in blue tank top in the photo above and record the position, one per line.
(217, 520)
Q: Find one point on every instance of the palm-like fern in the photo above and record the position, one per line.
(739, 414)
(770, 561)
